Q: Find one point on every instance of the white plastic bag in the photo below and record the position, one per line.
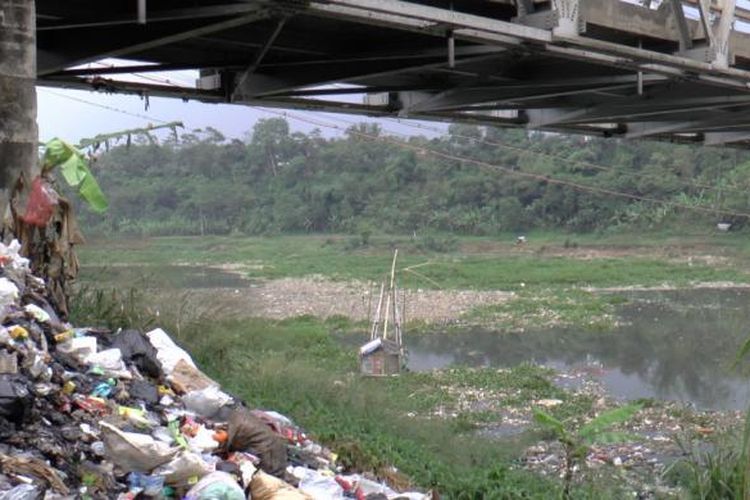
(207, 402)
(37, 312)
(21, 492)
(317, 485)
(216, 486)
(8, 292)
(203, 441)
(109, 359)
(167, 352)
(78, 347)
(12, 255)
(131, 451)
(185, 466)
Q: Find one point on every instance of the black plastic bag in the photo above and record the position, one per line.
(136, 349)
(15, 400)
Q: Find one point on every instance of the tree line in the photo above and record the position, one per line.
(470, 180)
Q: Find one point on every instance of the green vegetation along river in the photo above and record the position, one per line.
(574, 331)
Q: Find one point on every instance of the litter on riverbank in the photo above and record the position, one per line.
(89, 413)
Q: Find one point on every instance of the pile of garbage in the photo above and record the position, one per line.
(90, 413)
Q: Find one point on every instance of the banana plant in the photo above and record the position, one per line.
(74, 165)
(577, 442)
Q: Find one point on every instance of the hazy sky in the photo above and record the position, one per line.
(69, 115)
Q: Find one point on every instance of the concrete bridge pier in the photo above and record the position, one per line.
(18, 128)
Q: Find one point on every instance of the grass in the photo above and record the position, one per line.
(295, 367)
(550, 308)
(481, 264)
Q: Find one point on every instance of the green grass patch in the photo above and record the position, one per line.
(550, 308)
(295, 256)
(295, 367)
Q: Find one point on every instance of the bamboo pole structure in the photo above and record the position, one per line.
(376, 319)
(390, 294)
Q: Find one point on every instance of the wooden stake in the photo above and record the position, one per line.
(376, 319)
(390, 293)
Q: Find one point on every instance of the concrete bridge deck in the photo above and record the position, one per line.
(676, 70)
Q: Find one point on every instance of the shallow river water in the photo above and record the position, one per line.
(675, 345)
(672, 345)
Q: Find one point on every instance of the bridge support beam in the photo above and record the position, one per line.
(722, 33)
(568, 17)
(717, 36)
(686, 41)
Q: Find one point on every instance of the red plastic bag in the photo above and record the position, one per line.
(41, 203)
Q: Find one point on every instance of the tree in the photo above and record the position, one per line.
(18, 129)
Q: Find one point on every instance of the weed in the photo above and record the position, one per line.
(113, 308)
(577, 442)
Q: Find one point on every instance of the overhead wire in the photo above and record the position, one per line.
(518, 173)
(565, 159)
(718, 189)
(584, 163)
(103, 106)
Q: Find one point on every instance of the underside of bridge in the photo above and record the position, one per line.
(675, 70)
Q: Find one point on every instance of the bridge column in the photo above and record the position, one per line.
(723, 32)
(568, 20)
(718, 34)
(18, 129)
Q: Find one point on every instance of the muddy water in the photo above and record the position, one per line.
(677, 345)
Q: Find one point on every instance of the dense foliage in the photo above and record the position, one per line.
(279, 181)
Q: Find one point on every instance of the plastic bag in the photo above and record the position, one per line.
(151, 485)
(144, 390)
(167, 352)
(317, 485)
(185, 466)
(134, 452)
(136, 349)
(10, 257)
(110, 363)
(22, 492)
(15, 401)
(216, 486)
(266, 487)
(207, 402)
(78, 347)
(37, 312)
(41, 203)
(8, 292)
(109, 359)
(203, 441)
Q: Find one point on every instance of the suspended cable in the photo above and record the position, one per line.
(568, 160)
(104, 106)
(539, 177)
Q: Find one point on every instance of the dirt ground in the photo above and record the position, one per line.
(290, 297)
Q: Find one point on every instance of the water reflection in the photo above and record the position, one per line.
(676, 345)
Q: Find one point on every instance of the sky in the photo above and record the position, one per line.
(73, 115)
